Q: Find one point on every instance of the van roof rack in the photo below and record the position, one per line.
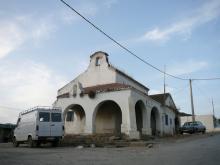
(39, 107)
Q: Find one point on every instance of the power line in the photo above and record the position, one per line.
(119, 44)
(198, 79)
(129, 51)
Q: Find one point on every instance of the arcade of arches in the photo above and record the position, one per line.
(107, 119)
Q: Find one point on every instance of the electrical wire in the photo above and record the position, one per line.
(129, 51)
(198, 79)
(119, 44)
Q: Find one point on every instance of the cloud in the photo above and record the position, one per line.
(16, 30)
(110, 3)
(26, 85)
(11, 36)
(87, 9)
(19, 29)
(206, 13)
(44, 29)
(187, 67)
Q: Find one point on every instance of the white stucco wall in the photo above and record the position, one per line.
(89, 105)
(169, 102)
(124, 80)
(94, 75)
(98, 75)
(125, 99)
(170, 128)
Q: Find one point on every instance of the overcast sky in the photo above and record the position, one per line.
(44, 45)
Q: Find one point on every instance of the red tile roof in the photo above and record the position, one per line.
(106, 87)
(159, 97)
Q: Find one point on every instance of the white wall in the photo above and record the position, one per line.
(89, 105)
(124, 80)
(94, 75)
(126, 99)
(170, 128)
(98, 75)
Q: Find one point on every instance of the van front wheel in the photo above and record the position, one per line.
(15, 143)
(30, 142)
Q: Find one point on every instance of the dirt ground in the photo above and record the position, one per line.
(188, 149)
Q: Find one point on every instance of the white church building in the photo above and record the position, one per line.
(105, 100)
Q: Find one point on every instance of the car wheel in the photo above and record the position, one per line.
(15, 143)
(196, 130)
(30, 142)
(38, 144)
(55, 143)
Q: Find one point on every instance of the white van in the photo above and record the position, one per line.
(39, 125)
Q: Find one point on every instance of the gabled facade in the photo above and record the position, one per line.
(105, 100)
(169, 108)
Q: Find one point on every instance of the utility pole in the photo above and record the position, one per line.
(164, 91)
(191, 96)
(164, 85)
(213, 108)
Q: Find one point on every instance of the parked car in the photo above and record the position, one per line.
(192, 127)
(39, 125)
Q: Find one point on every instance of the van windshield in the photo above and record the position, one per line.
(44, 116)
(56, 117)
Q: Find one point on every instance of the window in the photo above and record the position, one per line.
(185, 124)
(69, 116)
(166, 119)
(44, 116)
(98, 61)
(74, 90)
(56, 117)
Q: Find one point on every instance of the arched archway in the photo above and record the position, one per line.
(154, 121)
(107, 118)
(75, 119)
(139, 113)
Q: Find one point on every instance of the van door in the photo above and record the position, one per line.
(44, 124)
(56, 128)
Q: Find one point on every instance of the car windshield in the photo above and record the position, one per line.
(44, 116)
(56, 117)
(186, 124)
